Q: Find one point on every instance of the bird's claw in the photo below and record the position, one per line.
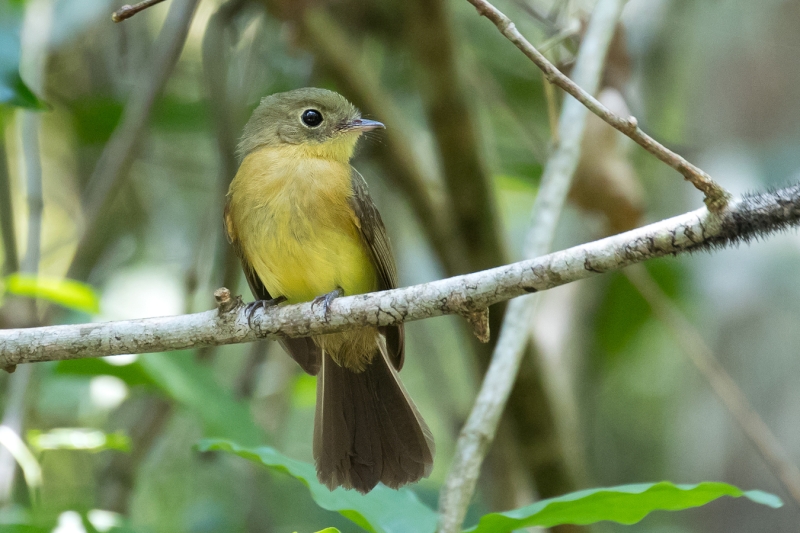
(326, 300)
(251, 308)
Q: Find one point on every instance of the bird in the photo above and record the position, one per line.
(305, 228)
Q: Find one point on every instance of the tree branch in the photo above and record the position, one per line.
(127, 11)
(481, 426)
(747, 218)
(715, 196)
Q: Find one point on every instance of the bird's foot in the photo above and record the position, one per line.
(251, 308)
(326, 299)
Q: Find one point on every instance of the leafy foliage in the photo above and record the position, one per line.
(381, 511)
(387, 510)
(626, 504)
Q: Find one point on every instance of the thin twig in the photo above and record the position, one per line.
(716, 198)
(723, 385)
(748, 218)
(120, 151)
(481, 426)
(127, 11)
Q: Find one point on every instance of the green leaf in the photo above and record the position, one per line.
(383, 510)
(193, 386)
(13, 90)
(66, 292)
(626, 504)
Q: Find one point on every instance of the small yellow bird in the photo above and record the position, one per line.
(305, 228)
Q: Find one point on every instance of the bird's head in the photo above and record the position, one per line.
(319, 121)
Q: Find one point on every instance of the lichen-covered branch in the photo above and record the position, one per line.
(715, 196)
(746, 218)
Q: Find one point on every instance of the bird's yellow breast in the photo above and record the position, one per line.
(290, 212)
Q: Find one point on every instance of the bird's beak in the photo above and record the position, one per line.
(363, 124)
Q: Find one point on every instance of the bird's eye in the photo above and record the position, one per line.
(311, 118)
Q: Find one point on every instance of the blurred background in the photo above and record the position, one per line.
(119, 183)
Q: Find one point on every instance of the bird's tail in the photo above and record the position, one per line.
(367, 429)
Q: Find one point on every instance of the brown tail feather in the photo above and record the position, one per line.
(367, 429)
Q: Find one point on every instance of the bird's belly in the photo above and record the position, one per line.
(302, 257)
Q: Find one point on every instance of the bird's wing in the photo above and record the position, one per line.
(303, 349)
(373, 234)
